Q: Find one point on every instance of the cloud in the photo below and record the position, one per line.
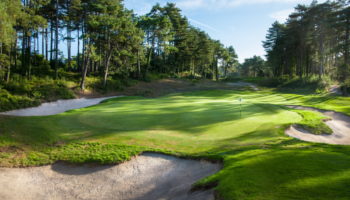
(194, 4)
(281, 15)
(203, 25)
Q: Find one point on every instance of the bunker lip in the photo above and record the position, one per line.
(339, 123)
(148, 176)
(57, 107)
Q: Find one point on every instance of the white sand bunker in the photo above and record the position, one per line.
(149, 176)
(339, 123)
(243, 84)
(56, 107)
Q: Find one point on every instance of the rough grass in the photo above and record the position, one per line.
(23, 93)
(313, 122)
(30, 93)
(260, 161)
(304, 85)
(12, 102)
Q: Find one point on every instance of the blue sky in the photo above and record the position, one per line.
(240, 23)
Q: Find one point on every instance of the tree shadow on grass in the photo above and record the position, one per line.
(190, 115)
(318, 99)
(188, 118)
(188, 125)
(191, 118)
(287, 169)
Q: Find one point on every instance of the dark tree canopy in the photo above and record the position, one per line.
(315, 41)
(111, 42)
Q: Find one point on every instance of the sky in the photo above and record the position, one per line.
(240, 23)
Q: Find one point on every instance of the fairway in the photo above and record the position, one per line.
(256, 153)
(189, 122)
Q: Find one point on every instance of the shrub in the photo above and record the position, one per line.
(154, 76)
(27, 93)
(45, 89)
(11, 102)
(308, 85)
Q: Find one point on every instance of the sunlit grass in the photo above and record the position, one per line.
(260, 161)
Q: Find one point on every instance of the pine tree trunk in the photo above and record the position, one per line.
(138, 64)
(46, 44)
(28, 55)
(38, 42)
(216, 70)
(69, 46)
(51, 42)
(78, 54)
(83, 43)
(34, 45)
(346, 57)
(15, 51)
(43, 42)
(56, 42)
(149, 57)
(23, 57)
(107, 69)
(9, 67)
(84, 72)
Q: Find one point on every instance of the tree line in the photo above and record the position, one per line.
(110, 40)
(314, 41)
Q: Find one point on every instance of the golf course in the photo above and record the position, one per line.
(174, 100)
(241, 128)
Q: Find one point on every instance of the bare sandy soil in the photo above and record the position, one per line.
(339, 123)
(56, 107)
(148, 177)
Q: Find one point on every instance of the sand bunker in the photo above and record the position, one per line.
(339, 123)
(56, 107)
(148, 176)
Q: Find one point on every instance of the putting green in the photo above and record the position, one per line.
(260, 161)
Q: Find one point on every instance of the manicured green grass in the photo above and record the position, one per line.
(314, 122)
(260, 161)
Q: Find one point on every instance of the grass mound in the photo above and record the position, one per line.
(314, 122)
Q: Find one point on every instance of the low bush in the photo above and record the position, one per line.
(43, 89)
(307, 85)
(27, 93)
(96, 84)
(11, 102)
(155, 76)
(296, 85)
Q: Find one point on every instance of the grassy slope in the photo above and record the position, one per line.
(29, 93)
(260, 162)
(314, 122)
